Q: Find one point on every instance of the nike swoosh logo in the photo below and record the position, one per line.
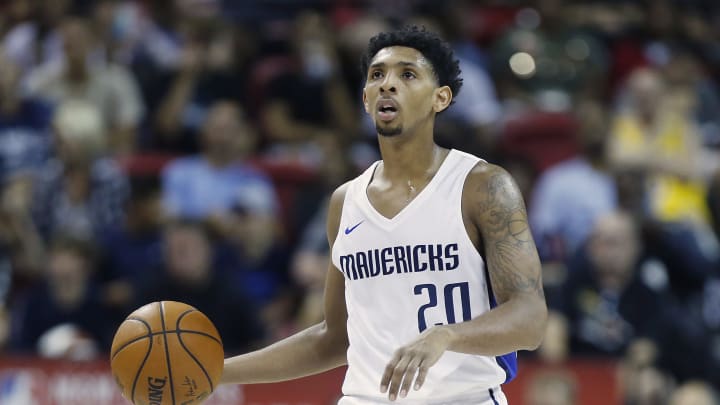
(348, 230)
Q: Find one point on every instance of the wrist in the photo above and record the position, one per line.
(445, 335)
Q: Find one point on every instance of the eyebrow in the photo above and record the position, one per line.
(382, 64)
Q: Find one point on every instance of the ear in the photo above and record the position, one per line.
(442, 98)
(365, 101)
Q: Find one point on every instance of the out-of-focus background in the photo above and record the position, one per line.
(184, 150)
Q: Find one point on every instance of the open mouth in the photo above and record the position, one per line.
(387, 109)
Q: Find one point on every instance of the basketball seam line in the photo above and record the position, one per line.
(142, 365)
(167, 352)
(177, 326)
(153, 334)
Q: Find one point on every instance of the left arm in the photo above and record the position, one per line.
(494, 207)
(518, 322)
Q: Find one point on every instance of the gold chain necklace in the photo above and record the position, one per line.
(411, 191)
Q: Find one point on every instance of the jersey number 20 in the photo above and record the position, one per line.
(448, 296)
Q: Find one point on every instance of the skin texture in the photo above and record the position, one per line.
(495, 219)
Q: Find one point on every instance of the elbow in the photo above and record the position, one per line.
(537, 324)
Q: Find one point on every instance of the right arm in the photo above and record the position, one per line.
(316, 349)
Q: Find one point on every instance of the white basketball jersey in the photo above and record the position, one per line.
(408, 273)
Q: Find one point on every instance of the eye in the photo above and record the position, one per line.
(408, 75)
(376, 74)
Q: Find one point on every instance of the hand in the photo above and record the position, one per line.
(415, 357)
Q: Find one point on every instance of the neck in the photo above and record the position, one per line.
(410, 157)
(415, 167)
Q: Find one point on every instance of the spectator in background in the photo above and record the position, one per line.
(569, 197)
(655, 140)
(108, 86)
(555, 347)
(657, 153)
(63, 316)
(21, 248)
(133, 250)
(24, 126)
(148, 35)
(311, 101)
(469, 125)
(236, 200)
(189, 276)
(254, 254)
(208, 185)
(689, 347)
(36, 41)
(212, 67)
(24, 146)
(614, 297)
(109, 22)
(79, 192)
(643, 384)
(697, 94)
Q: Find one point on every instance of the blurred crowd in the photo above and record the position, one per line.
(184, 150)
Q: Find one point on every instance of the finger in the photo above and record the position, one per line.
(409, 376)
(397, 377)
(420, 380)
(389, 370)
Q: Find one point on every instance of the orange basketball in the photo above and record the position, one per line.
(167, 353)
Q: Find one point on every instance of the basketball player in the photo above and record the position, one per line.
(435, 280)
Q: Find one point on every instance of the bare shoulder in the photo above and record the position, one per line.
(494, 203)
(489, 187)
(337, 199)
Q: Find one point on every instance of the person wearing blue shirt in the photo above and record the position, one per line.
(211, 183)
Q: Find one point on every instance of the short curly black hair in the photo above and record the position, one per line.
(429, 44)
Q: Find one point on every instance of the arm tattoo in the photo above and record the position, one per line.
(510, 249)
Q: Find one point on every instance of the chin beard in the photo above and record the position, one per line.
(388, 131)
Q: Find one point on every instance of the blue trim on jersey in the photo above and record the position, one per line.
(507, 362)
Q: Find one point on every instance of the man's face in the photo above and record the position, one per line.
(187, 254)
(225, 131)
(75, 43)
(614, 249)
(401, 91)
(67, 275)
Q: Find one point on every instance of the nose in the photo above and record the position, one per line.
(390, 89)
(388, 85)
